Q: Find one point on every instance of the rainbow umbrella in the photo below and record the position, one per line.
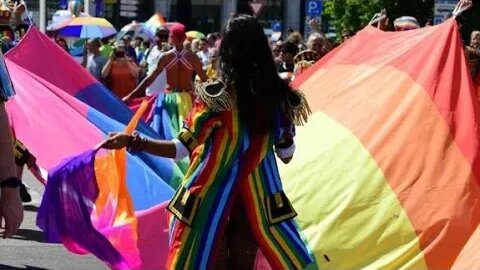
(136, 29)
(194, 35)
(87, 27)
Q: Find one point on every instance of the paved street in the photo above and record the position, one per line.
(27, 250)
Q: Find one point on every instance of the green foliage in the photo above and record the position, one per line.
(355, 14)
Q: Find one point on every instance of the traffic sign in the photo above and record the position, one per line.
(276, 26)
(314, 8)
(443, 9)
(256, 6)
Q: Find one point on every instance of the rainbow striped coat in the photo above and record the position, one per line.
(226, 162)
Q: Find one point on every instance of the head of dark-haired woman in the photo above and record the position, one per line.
(247, 67)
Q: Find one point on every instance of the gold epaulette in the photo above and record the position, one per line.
(297, 108)
(215, 95)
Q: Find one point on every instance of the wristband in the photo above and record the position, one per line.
(12, 182)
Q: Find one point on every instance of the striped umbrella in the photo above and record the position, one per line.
(87, 27)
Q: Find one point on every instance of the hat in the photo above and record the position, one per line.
(303, 60)
(307, 55)
(406, 23)
(178, 31)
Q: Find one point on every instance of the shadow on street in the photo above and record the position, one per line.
(27, 267)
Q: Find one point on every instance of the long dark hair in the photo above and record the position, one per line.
(247, 66)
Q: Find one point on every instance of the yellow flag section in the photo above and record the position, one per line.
(350, 215)
(378, 177)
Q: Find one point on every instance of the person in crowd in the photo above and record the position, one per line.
(93, 60)
(276, 49)
(315, 41)
(318, 43)
(220, 217)
(212, 68)
(297, 39)
(137, 46)
(62, 43)
(11, 209)
(472, 52)
(203, 52)
(180, 66)
(130, 49)
(195, 46)
(23, 158)
(211, 39)
(286, 67)
(150, 62)
(121, 71)
(106, 48)
(277, 52)
(187, 44)
(346, 34)
(144, 48)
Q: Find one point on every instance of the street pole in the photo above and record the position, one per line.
(86, 6)
(43, 15)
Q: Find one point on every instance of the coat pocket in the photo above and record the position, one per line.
(184, 205)
(279, 208)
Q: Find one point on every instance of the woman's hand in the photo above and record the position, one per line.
(117, 140)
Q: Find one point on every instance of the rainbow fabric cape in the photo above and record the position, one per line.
(386, 172)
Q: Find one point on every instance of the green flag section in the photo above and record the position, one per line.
(386, 172)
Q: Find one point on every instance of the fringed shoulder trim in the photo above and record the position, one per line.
(297, 108)
(215, 95)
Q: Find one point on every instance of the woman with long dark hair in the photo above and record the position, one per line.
(231, 201)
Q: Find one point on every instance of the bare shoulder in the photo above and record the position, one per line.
(192, 56)
(167, 56)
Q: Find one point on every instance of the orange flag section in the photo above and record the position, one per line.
(114, 209)
(398, 108)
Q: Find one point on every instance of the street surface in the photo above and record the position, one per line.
(28, 250)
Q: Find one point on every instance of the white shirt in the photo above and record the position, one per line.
(204, 57)
(161, 81)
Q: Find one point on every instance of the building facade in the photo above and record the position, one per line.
(202, 15)
(210, 15)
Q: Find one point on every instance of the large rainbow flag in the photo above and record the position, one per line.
(59, 111)
(386, 172)
(53, 68)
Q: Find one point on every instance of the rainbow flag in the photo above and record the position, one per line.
(57, 71)
(48, 115)
(386, 172)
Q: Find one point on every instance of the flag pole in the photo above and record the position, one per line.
(86, 6)
(43, 15)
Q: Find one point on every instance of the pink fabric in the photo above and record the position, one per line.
(152, 241)
(261, 262)
(134, 104)
(50, 119)
(35, 53)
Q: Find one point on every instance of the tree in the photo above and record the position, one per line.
(355, 14)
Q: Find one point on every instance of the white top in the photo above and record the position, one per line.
(161, 81)
(204, 57)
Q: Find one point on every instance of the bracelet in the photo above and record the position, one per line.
(12, 182)
(136, 143)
